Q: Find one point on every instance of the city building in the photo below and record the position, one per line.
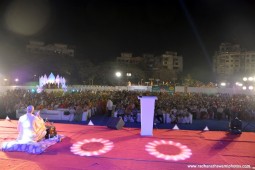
(249, 62)
(172, 62)
(151, 62)
(164, 68)
(38, 47)
(231, 62)
(170, 68)
(128, 58)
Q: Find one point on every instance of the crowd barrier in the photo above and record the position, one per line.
(58, 114)
(166, 118)
(182, 89)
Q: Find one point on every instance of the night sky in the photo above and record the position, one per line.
(101, 29)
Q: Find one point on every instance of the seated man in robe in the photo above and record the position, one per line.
(31, 127)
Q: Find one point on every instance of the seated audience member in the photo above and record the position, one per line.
(227, 112)
(167, 116)
(120, 111)
(31, 128)
(128, 112)
(159, 115)
(173, 115)
(210, 112)
(194, 111)
(204, 112)
(134, 112)
(219, 112)
(187, 116)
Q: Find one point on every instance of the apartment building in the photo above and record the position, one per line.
(164, 67)
(128, 58)
(231, 62)
(171, 61)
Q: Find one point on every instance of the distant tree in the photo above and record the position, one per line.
(85, 71)
(189, 81)
(103, 74)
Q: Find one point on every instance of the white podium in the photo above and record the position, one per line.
(147, 114)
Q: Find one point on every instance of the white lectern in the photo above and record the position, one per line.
(147, 114)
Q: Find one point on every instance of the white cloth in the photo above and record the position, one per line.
(31, 128)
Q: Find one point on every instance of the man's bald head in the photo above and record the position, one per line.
(30, 109)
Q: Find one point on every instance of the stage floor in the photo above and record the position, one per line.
(98, 147)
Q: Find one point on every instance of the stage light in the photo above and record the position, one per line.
(244, 87)
(245, 79)
(239, 84)
(118, 74)
(223, 84)
(39, 90)
(250, 87)
(250, 78)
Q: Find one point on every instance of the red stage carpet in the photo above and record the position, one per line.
(97, 147)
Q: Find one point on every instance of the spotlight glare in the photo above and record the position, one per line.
(118, 74)
(250, 78)
(77, 147)
(151, 147)
(223, 84)
(250, 87)
(239, 84)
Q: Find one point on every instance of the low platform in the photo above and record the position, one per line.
(98, 147)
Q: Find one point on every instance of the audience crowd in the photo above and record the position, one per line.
(178, 107)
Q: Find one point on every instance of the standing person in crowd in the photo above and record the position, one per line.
(227, 112)
(78, 113)
(30, 127)
(109, 106)
(72, 113)
(220, 112)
